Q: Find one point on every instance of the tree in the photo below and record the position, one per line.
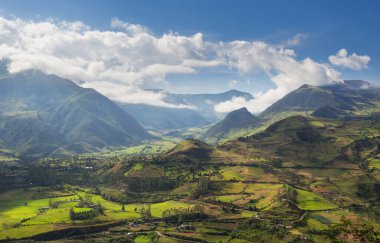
(355, 232)
(123, 208)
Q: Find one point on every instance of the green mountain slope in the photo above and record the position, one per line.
(41, 113)
(196, 151)
(233, 125)
(309, 98)
(329, 112)
(306, 141)
(350, 96)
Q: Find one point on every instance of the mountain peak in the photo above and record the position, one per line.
(236, 120)
(359, 84)
(239, 113)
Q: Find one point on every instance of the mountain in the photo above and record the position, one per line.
(310, 142)
(308, 98)
(162, 118)
(200, 112)
(328, 112)
(204, 103)
(41, 114)
(193, 151)
(234, 122)
(349, 96)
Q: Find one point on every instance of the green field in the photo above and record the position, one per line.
(310, 201)
(374, 163)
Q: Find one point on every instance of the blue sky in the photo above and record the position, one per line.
(324, 28)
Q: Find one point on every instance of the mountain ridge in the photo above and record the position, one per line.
(61, 113)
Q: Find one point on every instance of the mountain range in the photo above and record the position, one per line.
(200, 112)
(45, 115)
(343, 100)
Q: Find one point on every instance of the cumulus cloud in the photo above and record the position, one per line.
(117, 63)
(281, 67)
(352, 61)
(231, 105)
(122, 61)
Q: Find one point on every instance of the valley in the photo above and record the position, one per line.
(80, 168)
(301, 178)
(166, 121)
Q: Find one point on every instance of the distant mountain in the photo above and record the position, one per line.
(44, 114)
(200, 112)
(348, 96)
(162, 118)
(204, 103)
(308, 98)
(234, 122)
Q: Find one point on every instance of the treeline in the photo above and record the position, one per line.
(150, 184)
(86, 202)
(84, 214)
(183, 214)
(260, 231)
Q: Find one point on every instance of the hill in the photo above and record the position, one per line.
(41, 113)
(193, 150)
(231, 126)
(305, 141)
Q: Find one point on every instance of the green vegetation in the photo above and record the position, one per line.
(292, 182)
(310, 201)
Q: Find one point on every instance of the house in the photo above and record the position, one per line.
(186, 227)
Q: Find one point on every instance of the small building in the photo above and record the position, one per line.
(186, 227)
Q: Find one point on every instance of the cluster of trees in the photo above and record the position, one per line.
(258, 231)
(180, 214)
(83, 215)
(202, 188)
(150, 184)
(369, 191)
(364, 233)
(145, 211)
(44, 176)
(53, 204)
(86, 202)
(290, 194)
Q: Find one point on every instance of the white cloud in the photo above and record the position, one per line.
(295, 41)
(124, 60)
(128, 59)
(352, 61)
(232, 83)
(231, 105)
(279, 64)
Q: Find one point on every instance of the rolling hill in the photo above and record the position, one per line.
(309, 141)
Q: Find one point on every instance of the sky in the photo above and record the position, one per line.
(266, 48)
